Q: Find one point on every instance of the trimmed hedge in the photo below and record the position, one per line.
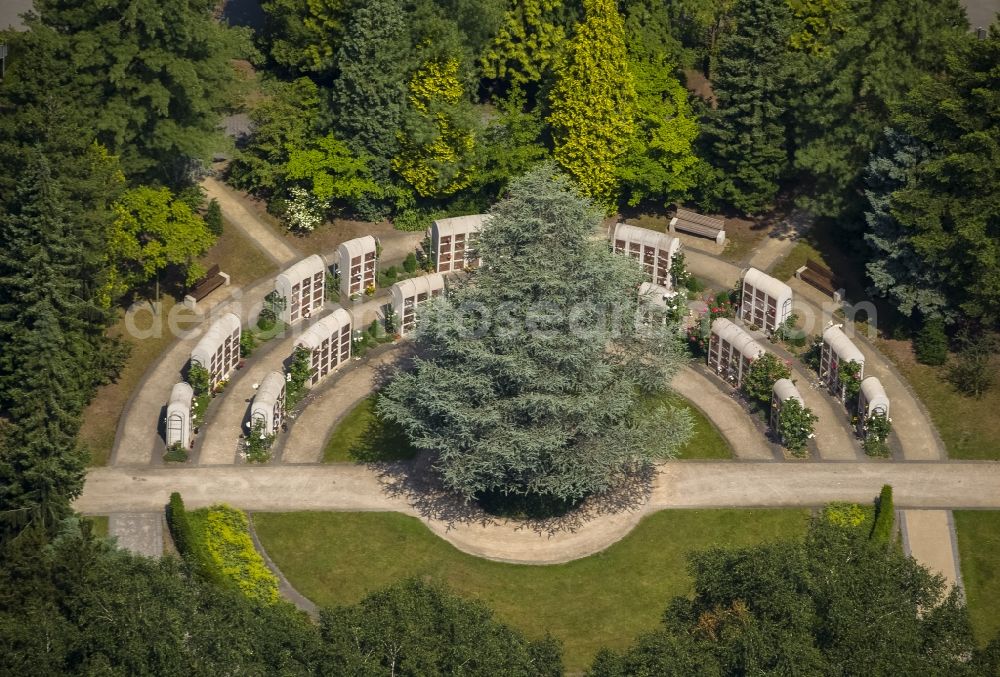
(188, 544)
(885, 516)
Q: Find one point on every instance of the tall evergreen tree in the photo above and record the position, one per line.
(368, 98)
(896, 269)
(856, 60)
(593, 103)
(539, 397)
(747, 131)
(47, 366)
(950, 208)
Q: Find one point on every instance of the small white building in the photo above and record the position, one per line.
(731, 350)
(654, 251)
(218, 351)
(303, 287)
(269, 403)
(782, 391)
(872, 400)
(180, 428)
(455, 242)
(837, 351)
(408, 295)
(329, 343)
(356, 261)
(766, 301)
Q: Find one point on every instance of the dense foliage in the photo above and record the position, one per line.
(838, 603)
(533, 371)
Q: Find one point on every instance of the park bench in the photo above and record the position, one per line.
(818, 276)
(213, 279)
(698, 224)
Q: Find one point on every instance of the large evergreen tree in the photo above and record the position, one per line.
(593, 103)
(949, 210)
(747, 131)
(50, 360)
(368, 98)
(895, 268)
(852, 62)
(539, 396)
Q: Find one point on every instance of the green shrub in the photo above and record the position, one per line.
(410, 263)
(763, 373)
(224, 533)
(198, 377)
(795, 426)
(213, 217)
(248, 342)
(844, 514)
(877, 429)
(885, 516)
(931, 343)
(188, 544)
(176, 453)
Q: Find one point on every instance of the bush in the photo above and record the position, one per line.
(764, 371)
(931, 343)
(844, 514)
(885, 517)
(410, 263)
(795, 426)
(258, 444)
(188, 544)
(198, 377)
(974, 372)
(213, 217)
(248, 341)
(223, 535)
(176, 453)
(877, 429)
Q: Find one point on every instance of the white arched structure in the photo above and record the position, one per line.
(782, 391)
(408, 295)
(303, 287)
(766, 301)
(329, 343)
(269, 403)
(872, 400)
(837, 351)
(455, 242)
(356, 264)
(654, 251)
(731, 350)
(179, 428)
(218, 351)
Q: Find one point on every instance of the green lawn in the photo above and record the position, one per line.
(362, 436)
(978, 534)
(801, 252)
(969, 427)
(707, 441)
(603, 600)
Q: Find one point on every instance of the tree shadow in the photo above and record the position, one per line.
(419, 484)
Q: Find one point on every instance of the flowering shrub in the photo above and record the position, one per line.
(303, 210)
(850, 377)
(877, 429)
(258, 445)
(795, 426)
(762, 375)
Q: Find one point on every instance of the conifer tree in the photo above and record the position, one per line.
(593, 103)
(48, 360)
(368, 98)
(747, 132)
(534, 369)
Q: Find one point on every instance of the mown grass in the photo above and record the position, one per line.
(978, 533)
(362, 437)
(602, 600)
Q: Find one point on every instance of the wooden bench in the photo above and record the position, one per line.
(698, 224)
(819, 276)
(214, 279)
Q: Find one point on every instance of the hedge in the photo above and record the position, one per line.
(885, 517)
(189, 545)
(223, 537)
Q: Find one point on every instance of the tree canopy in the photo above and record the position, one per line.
(535, 366)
